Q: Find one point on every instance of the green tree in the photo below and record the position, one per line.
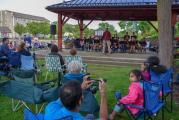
(68, 28)
(177, 29)
(105, 25)
(20, 29)
(33, 28)
(44, 28)
(75, 31)
(88, 32)
(142, 28)
(38, 28)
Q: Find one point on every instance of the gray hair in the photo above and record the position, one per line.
(74, 67)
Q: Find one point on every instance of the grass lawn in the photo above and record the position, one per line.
(117, 80)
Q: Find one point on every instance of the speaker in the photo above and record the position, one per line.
(53, 29)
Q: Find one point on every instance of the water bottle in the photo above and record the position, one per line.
(118, 95)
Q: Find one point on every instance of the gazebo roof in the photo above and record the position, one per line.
(102, 3)
(110, 9)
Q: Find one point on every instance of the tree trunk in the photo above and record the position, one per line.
(164, 14)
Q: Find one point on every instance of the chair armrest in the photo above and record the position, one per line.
(134, 106)
(48, 82)
(85, 65)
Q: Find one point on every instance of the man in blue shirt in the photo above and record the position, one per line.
(4, 49)
(68, 105)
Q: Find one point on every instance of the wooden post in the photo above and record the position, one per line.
(81, 29)
(60, 25)
(164, 14)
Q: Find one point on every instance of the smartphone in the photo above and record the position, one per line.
(86, 74)
(96, 80)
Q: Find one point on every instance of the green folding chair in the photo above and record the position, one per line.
(70, 58)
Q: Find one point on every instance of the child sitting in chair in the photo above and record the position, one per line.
(145, 71)
(134, 97)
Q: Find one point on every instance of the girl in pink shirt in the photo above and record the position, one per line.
(134, 97)
(145, 71)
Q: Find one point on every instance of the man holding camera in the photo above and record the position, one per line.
(70, 99)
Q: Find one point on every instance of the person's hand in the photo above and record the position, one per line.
(86, 82)
(102, 87)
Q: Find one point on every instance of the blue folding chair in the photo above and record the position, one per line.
(152, 102)
(27, 62)
(29, 115)
(166, 79)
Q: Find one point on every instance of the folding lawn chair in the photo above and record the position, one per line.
(78, 58)
(29, 115)
(152, 102)
(27, 62)
(53, 65)
(166, 79)
(25, 90)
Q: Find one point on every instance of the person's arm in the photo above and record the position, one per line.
(103, 104)
(132, 95)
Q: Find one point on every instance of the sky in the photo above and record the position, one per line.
(37, 8)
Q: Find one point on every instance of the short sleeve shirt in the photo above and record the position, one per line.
(55, 110)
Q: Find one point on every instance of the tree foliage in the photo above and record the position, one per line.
(142, 28)
(20, 29)
(38, 28)
(104, 25)
(75, 31)
(44, 28)
(177, 29)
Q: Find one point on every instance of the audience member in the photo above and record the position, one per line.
(73, 52)
(134, 97)
(154, 65)
(21, 49)
(4, 48)
(145, 71)
(70, 99)
(126, 37)
(55, 51)
(74, 69)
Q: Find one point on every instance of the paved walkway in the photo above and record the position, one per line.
(99, 58)
(99, 54)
